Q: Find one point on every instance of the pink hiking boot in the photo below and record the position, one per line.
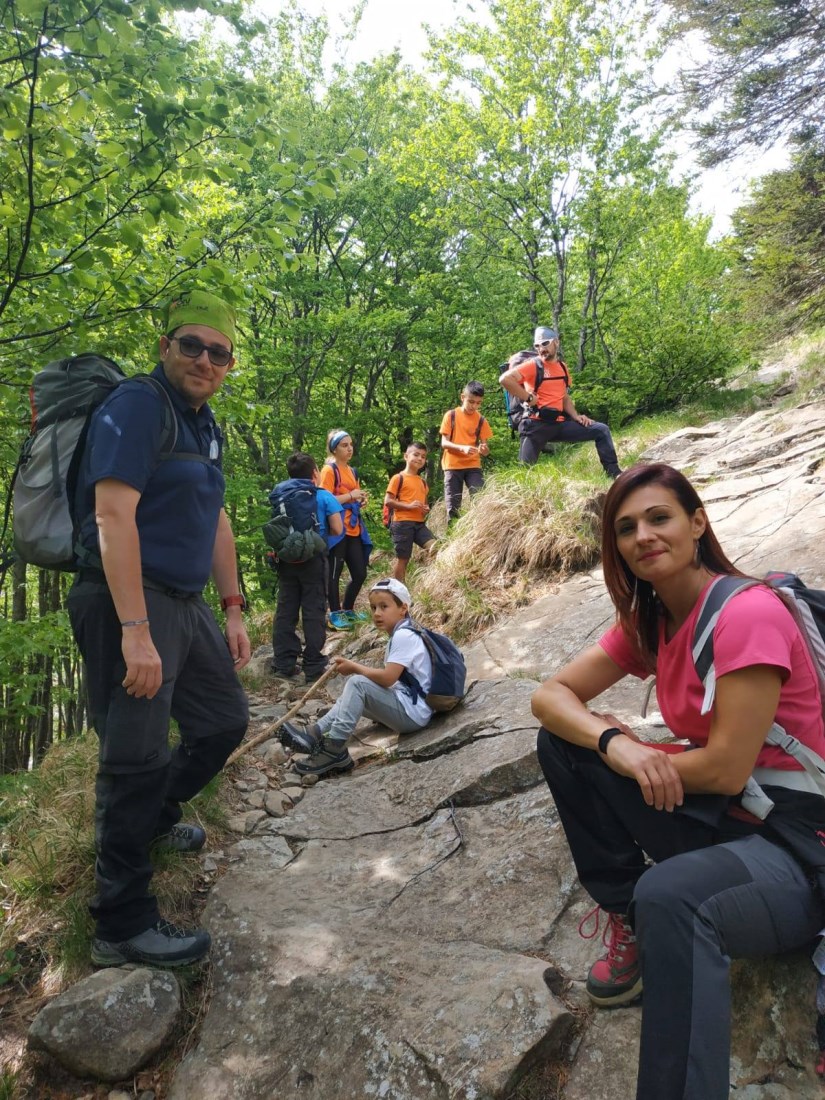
(615, 979)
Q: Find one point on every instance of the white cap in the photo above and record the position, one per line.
(542, 335)
(399, 590)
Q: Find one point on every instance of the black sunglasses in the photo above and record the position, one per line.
(192, 348)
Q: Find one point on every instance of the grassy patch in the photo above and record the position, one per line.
(528, 524)
(48, 878)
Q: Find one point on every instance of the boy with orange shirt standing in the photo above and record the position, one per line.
(464, 436)
(406, 500)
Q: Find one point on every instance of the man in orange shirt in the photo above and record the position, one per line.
(406, 501)
(543, 384)
(464, 436)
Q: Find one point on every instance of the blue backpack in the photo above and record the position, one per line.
(449, 671)
(293, 532)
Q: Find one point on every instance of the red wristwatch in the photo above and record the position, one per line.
(233, 601)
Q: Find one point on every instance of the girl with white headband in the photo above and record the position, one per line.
(339, 478)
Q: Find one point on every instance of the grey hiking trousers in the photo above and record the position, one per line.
(718, 890)
(361, 698)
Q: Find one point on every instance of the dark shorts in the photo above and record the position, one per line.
(407, 533)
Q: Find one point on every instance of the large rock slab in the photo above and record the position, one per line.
(374, 967)
(110, 1024)
(382, 799)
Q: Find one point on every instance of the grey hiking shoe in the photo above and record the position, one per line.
(164, 944)
(327, 757)
(180, 838)
(297, 739)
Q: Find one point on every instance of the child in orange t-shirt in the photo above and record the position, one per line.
(341, 479)
(406, 497)
(464, 436)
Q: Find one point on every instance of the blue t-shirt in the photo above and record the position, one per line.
(327, 506)
(180, 501)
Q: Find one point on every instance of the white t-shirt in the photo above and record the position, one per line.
(406, 648)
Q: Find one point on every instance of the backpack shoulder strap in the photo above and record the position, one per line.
(407, 679)
(720, 592)
(452, 424)
(399, 481)
(481, 423)
(170, 420)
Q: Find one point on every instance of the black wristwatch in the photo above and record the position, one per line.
(607, 737)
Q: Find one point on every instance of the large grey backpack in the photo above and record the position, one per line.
(63, 397)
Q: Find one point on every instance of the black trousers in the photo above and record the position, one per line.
(350, 552)
(140, 781)
(302, 591)
(719, 889)
(535, 433)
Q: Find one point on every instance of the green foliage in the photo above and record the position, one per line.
(762, 76)
(385, 238)
(780, 249)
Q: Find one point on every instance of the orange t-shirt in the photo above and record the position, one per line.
(413, 491)
(553, 390)
(466, 430)
(347, 481)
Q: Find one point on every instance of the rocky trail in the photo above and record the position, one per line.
(411, 931)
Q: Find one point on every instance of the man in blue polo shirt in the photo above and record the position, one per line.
(153, 529)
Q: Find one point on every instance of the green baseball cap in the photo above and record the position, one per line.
(199, 307)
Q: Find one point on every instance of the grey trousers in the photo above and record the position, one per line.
(535, 433)
(361, 698)
(719, 889)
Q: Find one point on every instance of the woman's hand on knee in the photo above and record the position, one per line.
(654, 771)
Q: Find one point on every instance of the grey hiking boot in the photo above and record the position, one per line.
(164, 944)
(297, 739)
(327, 757)
(180, 838)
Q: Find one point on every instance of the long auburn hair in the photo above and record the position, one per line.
(638, 609)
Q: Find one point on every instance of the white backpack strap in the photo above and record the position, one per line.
(716, 599)
(811, 761)
(755, 801)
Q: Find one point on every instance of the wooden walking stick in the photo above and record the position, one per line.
(265, 735)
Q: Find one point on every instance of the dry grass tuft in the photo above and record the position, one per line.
(526, 528)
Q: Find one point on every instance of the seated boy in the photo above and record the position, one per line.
(302, 587)
(464, 436)
(406, 497)
(377, 693)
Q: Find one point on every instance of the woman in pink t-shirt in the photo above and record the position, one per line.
(720, 885)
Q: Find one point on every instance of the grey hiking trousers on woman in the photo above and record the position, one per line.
(719, 889)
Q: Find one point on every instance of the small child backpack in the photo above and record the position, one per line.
(388, 512)
(449, 671)
(63, 396)
(293, 532)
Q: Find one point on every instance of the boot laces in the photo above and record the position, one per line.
(617, 935)
(166, 928)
